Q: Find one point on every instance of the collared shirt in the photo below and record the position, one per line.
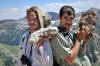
(62, 44)
(67, 34)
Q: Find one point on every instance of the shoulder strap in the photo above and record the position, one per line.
(31, 51)
(27, 41)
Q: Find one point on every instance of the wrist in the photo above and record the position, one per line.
(79, 40)
(84, 43)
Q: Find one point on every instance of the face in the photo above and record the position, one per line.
(66, 20)
(33, 21)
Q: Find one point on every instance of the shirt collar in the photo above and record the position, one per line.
(63, 30)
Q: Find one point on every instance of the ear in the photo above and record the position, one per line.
(59, 17)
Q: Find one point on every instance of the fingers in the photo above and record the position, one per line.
(84, 34)
(81, 34)
(82, 31)
(90, 35)
(85, 29)
(39, 52)
(40, 42)
(48, 38)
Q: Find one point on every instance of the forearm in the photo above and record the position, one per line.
(74, 53)
(84, 48)
(75, 49)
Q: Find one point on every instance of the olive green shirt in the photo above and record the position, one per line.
(61, 48)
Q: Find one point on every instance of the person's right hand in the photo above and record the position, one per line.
(40, 42)
(81, 34)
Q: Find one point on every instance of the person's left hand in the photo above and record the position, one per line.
(89, 35)
(40, 42)
(88, 38)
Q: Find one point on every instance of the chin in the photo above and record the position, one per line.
(67, 28)
(32, 28)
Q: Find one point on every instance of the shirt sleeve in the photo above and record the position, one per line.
(60, 47)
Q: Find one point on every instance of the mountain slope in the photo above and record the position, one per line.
(7, 58)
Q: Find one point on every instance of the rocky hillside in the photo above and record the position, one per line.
(7, 58)
(54, 16)
(11, 29)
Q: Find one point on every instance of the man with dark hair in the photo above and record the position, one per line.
(67, 46)
(66, 9)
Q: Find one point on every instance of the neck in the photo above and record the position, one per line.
(64, 28)
(33, 30)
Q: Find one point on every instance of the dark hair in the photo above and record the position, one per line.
(67, 9)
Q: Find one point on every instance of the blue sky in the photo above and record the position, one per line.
(16, 9)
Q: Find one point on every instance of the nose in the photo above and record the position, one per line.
(31, 21)
(69, 20)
